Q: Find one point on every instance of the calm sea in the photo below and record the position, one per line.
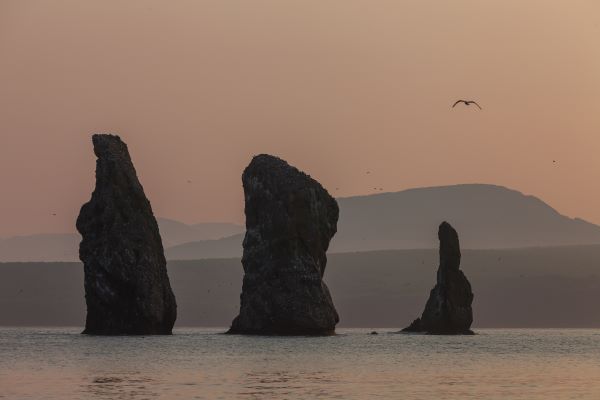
(50, 363)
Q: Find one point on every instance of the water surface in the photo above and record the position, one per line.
(59, 363)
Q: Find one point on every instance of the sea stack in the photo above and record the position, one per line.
(127, 288)
(448, 310)
(290, 220)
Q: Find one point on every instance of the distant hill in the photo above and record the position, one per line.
(174, 232)
(65, 247)
(486, 217)
(221, 248)
(527, 288)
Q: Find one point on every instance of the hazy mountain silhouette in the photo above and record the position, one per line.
(487, 216)
(174, 232)
(65, 247)
(221, 248)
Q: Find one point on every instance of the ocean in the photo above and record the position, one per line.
(200, 363)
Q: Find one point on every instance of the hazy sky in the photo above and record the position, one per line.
(335, 87)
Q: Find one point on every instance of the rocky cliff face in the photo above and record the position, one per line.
(127, 288)
(448, 310)
(290, 220)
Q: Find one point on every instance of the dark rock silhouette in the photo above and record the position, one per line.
(448, 310)
(127, 288)
(290, 219)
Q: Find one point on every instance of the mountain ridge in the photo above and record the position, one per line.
(486, 216)
(65, 246)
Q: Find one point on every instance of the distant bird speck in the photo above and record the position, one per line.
(467, 103)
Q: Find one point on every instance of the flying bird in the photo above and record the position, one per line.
(467, 103)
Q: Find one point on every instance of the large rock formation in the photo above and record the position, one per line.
(448, 310)
(290, 220)
(127, 289)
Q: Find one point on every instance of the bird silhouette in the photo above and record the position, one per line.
(467, 103)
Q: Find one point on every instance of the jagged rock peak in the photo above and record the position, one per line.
(449, 247)
(127, 288)
(290, 220)
(448, 309)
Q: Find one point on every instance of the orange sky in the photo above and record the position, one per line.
(334, 87)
